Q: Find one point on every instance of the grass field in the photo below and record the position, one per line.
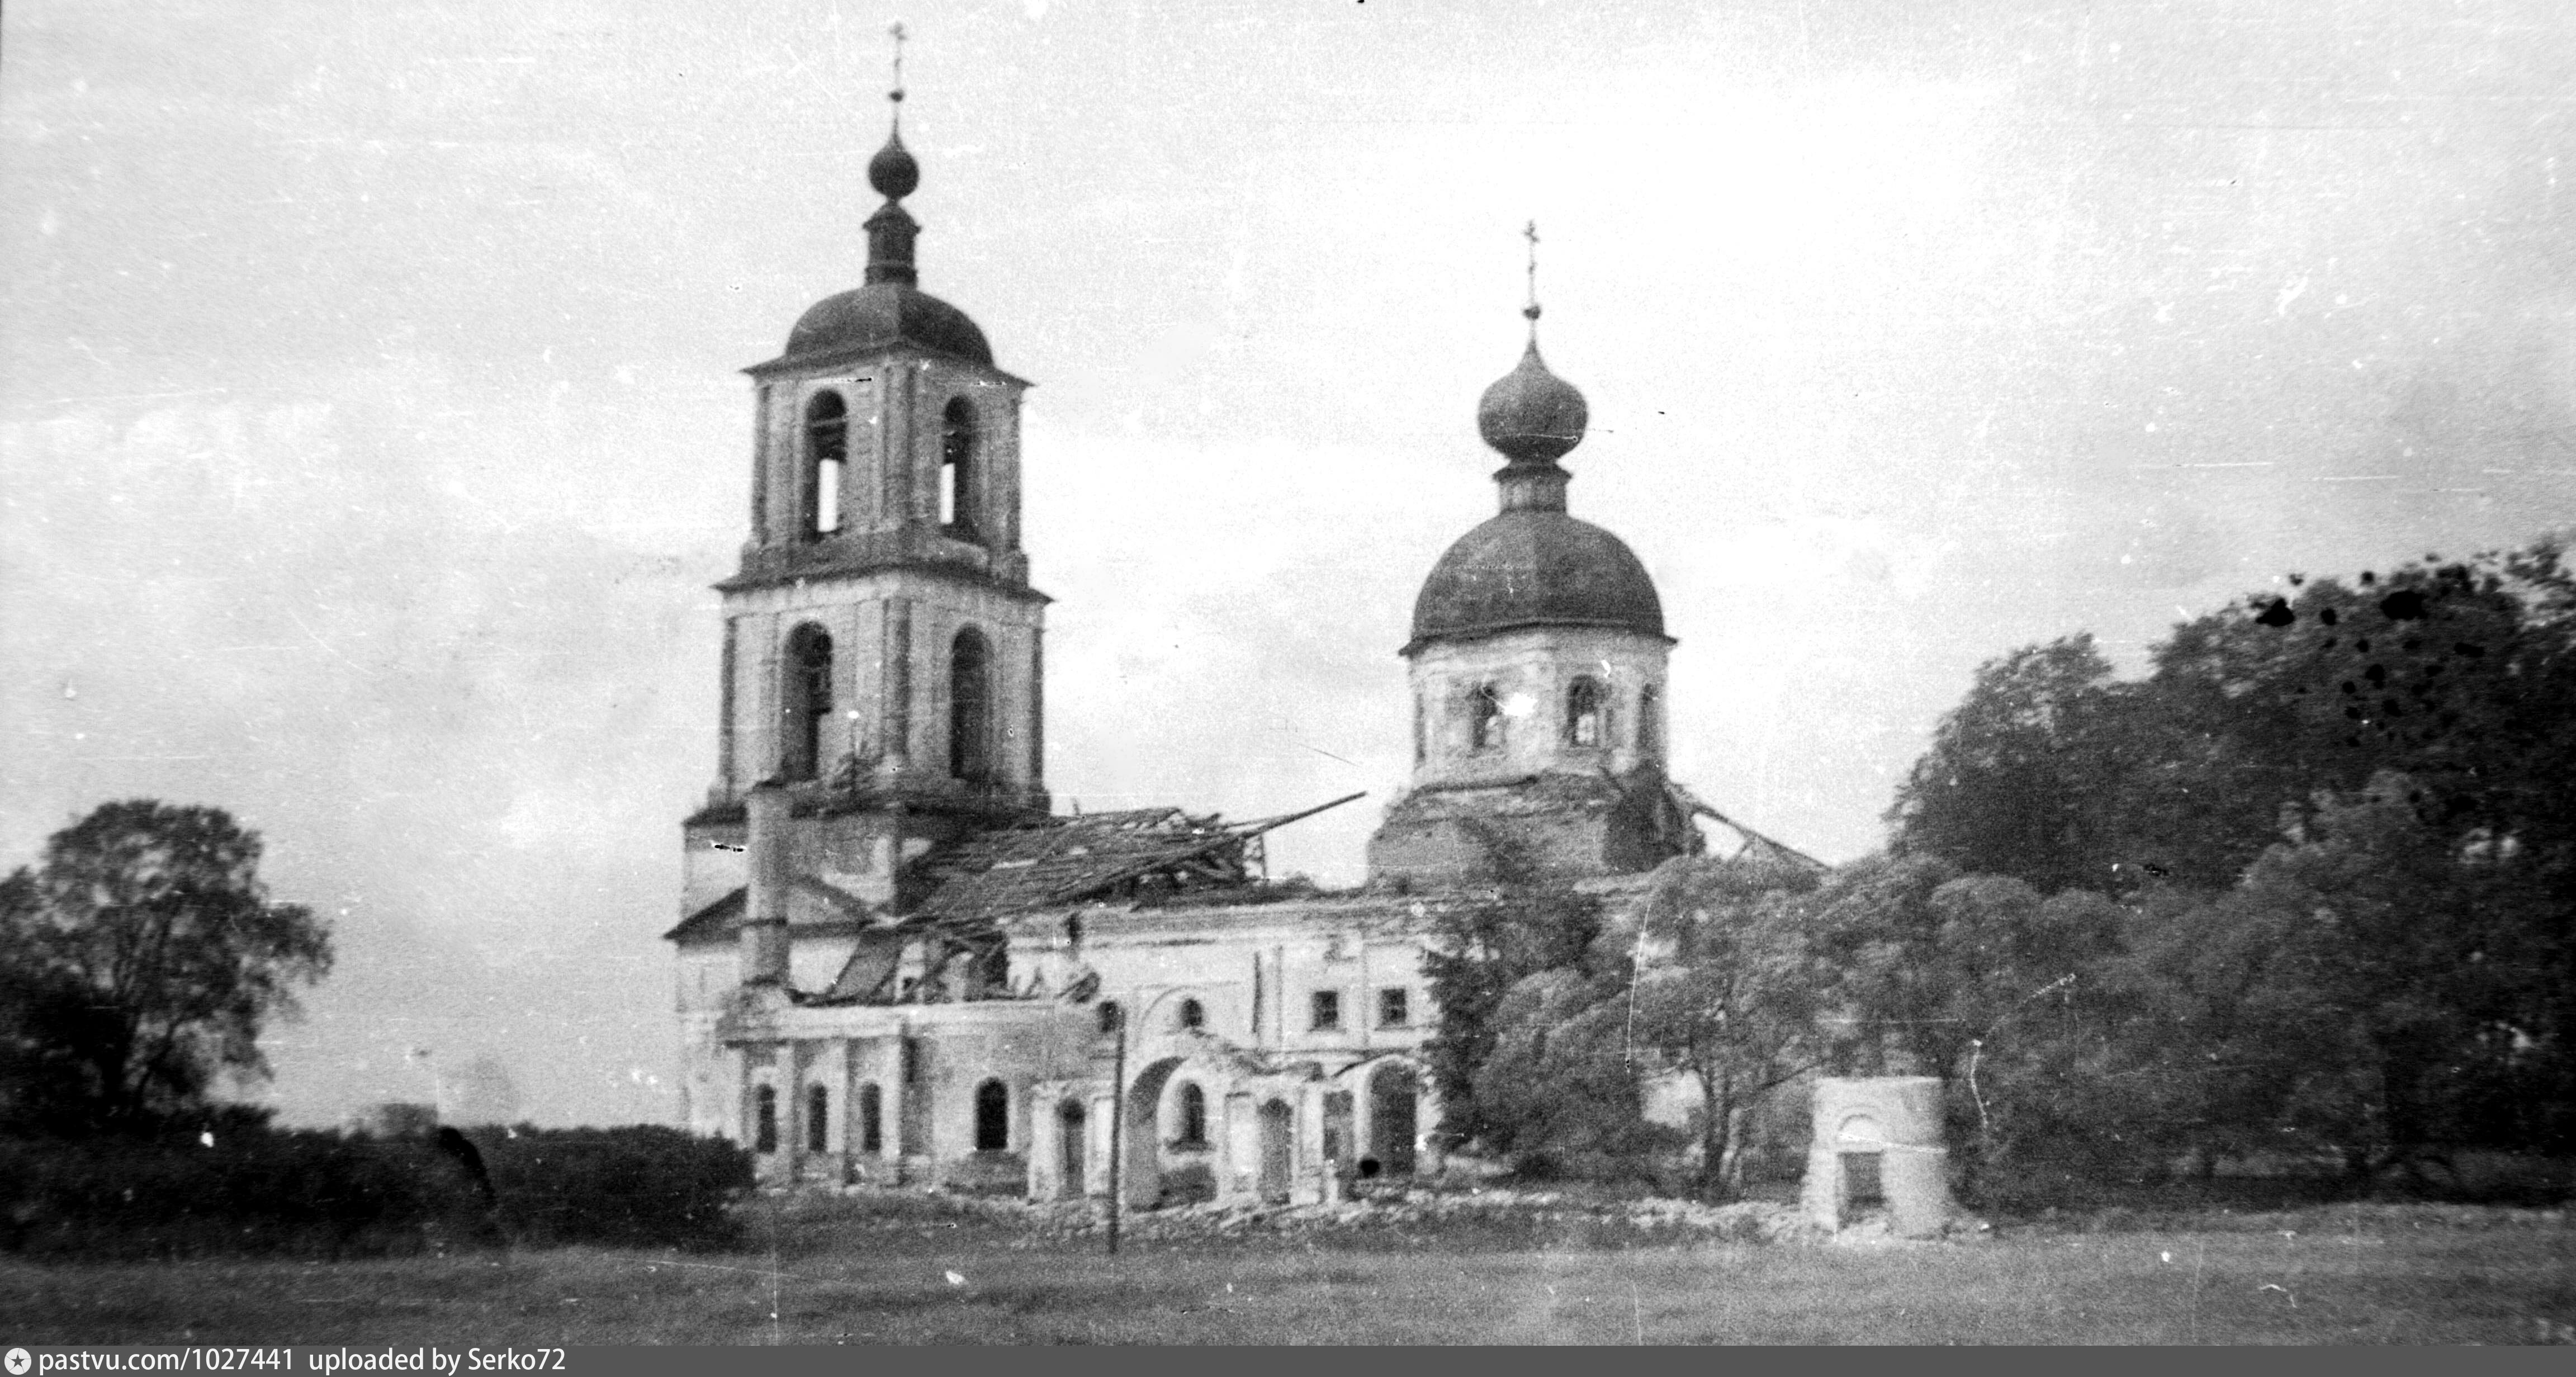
(880, 1271)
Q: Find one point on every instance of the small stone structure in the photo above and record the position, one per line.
(1878, 1145)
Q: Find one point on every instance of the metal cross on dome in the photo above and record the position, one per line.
(1530, 311)
(896, 95)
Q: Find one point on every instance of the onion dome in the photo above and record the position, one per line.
(892, 171)
(1530, 414)
(1535, 567)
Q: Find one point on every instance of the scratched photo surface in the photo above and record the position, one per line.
(374, 428)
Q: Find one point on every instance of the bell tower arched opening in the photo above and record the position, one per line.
(970, 707)
(804, 701)
(959, 478)
(827, 456)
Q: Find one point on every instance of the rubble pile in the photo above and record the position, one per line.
(1430, 1218)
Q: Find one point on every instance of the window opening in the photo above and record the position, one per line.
(871, 1118)
(957, 471)
(1193, 1014)
(1585, 707)
(1650, 730)
(1193, 1115)
(764, 1119)
(1394, 1007)
(1325, 1006)
(1109, 1015)
(1484, 718)
(827, 452)
(818, 1118)
(806, 702)
(1421, 743)
(1861, 1186)
(992, 1117)
(911, 1061)
(970, 708)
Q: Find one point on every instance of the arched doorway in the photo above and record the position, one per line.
(1278, 1151)
(1395, 1098)
(1071, 1137)
(992, 1117)
(1143, 1150)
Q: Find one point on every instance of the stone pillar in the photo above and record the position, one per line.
(891, 1109)
(1238, 1150)
(1897, 1120)
(763, 936)
(1095, 1162)
(844, 1142)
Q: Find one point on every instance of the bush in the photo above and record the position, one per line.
(259, 1191)
(640, 1186)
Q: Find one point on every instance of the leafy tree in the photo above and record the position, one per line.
(2024, 777)
(2371, 990)
(1560, 1088)
(150, 956)
(2228, 799)
(1968, 978)
(1724, 987)
(2461, 675)
(1525, 924)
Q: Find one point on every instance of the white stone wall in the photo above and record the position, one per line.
(1532, 670)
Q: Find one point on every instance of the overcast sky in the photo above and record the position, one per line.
(372, 425)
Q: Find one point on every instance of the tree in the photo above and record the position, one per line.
(2023, 777)
(1560, 1088)
(1968, 978)
(1481, 950)
(1724, 987)
(150, 957)
(2373, 990)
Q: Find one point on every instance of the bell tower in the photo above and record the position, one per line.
(882, 660)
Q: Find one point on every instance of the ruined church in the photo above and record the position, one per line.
(898, 965)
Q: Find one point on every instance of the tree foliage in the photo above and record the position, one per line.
(1481, 950)
(2341, 823)
(138, 964)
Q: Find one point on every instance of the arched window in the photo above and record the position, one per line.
(1587, 709)
(818, 1118)
(1421, 743)
(764, 1119)
(970, 707)
(1193, 1115)
(958, 477)
(1192, 1016)
(1650, 727)
(871, 1118)
(804, 701)
(1484, 718)
(827, 452)
(1109, 1015)
(992, 1117)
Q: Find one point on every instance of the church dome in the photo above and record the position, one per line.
(882, 313)
(1536, 567)
(1530, 414)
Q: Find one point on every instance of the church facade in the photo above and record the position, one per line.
(897, 965)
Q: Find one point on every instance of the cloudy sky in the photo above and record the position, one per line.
(370, 427)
